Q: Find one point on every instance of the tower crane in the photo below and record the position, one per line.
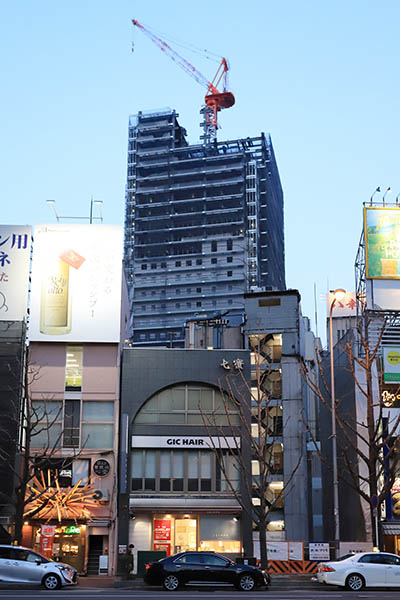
(215, 100)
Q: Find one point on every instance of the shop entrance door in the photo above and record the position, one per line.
(185, 535)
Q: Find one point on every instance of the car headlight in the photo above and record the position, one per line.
(66, 570)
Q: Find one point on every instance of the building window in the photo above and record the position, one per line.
(199, 261)
(188, 290)
(183, 471)
(229, 259)
(73, 368)
(143, 307)
(73, 424)
(177, 291)
(178, 263)
(198, 290)
(189, 263)
(229, 273)
(163, 265)
(188, 304)
(143, 293)
(229, 244)
(177, 305)
(153, 265)
(213, 246)
(72, 419)
(144, 267)
(213, 289)
(230, 301)
(214, 261)
(198, 304)
(186, 405)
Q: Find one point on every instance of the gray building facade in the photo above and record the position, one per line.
(203, 225)
(276, 330)
(173, 495)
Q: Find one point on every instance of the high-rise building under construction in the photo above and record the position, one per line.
(203, 226)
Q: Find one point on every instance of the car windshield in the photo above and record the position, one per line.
(344, 557)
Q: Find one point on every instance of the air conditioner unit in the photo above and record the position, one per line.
(102, 496)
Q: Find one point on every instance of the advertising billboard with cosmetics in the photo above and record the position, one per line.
(15, 251)
(76, 283)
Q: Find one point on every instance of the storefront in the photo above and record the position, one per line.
(65, 542)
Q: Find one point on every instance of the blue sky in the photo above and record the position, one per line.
(321, 77)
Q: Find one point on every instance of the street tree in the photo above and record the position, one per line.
(251, 435)
(367, 431)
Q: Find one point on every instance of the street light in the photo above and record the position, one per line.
(338, 295)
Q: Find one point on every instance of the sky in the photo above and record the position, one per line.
(321, 77)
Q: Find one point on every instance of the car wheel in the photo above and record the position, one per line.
(171, 583)
(246, 583)
(51, 582)
(355, 582)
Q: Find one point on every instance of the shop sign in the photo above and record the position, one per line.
(72, 529)
(237, 364)
(390, 396)
(46, 540)
(319, 551)
(183, 442)
(391, 364)
(162, 529)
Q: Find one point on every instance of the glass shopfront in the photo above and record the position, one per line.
(179, 533)
(68, 544)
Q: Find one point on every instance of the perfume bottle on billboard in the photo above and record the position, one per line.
(56, 298)
(55, 307)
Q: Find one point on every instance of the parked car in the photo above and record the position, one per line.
(22, 565)
(365, 569)
(203, 567)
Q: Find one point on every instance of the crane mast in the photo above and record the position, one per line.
(214, 99)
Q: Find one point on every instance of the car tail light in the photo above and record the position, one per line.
(148, 566)
(327, 569)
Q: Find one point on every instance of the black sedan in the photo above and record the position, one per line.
(204, 568)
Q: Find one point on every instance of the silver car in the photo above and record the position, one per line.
(23, 566)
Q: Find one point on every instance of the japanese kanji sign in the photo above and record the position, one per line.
(76, 283)
(343, 308)
(15, 248)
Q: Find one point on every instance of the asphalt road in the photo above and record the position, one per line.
(196, 594)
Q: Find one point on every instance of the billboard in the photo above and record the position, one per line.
(15, 250)
(76, 283)
(346, 307)
(382, 242)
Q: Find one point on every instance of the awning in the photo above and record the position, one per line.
(391, 527)
(208, 505)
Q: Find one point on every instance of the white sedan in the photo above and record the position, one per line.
(366, 569)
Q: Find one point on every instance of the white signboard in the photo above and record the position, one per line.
(76, 283)
(296, 551)
(319, 551)
(184, 442)
(354, 547)
(15, 249)
(277, 550)
(342, 308)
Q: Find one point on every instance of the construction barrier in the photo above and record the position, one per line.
(287, 567)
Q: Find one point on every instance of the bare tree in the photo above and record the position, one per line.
(251, 422)
(370, 435)
(34, 419)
